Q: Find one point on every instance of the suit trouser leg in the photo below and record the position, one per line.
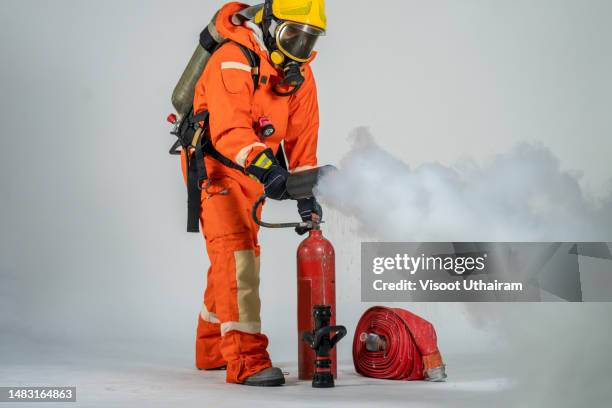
(229, 329)
(208, 338)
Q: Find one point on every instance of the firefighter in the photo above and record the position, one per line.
(281, 36)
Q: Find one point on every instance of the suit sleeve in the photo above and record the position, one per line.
(303, 128)
(228, 85)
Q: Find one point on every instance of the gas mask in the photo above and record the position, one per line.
(290, 45)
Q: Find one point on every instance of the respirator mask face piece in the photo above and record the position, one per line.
(297, 41)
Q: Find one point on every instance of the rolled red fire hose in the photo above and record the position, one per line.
(394, 344)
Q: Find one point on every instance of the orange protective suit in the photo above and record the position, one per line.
(229, 326)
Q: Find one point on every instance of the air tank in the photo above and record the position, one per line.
(182, 97)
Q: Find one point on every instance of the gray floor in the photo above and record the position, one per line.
(564, 373)
(104, 382)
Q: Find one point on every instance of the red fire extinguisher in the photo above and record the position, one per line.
(316, 282)
(316, 290)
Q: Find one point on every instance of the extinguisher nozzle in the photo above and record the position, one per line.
(322, 340)
(323, 380)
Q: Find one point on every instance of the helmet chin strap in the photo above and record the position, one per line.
(266, 26)
(291, 69)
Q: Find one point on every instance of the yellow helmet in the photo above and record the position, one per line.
(309, 12)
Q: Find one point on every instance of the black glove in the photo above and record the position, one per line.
(307, 207)
(268, 171)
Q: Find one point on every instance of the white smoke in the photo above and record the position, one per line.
(522, 195)
(556, 354)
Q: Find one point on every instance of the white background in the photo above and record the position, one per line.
(93, 254)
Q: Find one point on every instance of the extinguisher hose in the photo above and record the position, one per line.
(258, 221)
(392, 343)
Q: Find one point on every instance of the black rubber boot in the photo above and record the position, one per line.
(269, 377)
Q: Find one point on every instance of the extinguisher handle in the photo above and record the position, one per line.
(258, 221)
